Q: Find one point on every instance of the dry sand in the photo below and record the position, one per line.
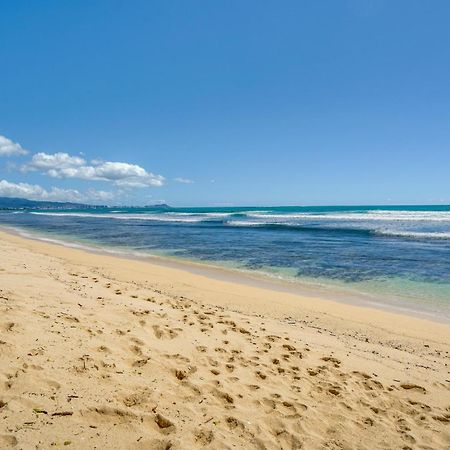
(107, 353)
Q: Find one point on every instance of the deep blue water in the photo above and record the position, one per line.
(394, 252)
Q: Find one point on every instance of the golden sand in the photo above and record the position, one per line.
(108, 353)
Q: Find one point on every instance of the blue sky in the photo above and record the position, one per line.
(254, 102)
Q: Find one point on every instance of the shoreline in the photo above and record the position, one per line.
(98, 351)
(257, 279)
(287, 299)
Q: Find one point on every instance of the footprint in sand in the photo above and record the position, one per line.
(180, 374)
(135, 399)
(415, 387)
(165, 332)
(204, 437)
(9, 326)
(226, 398)
(136, 349)
(234, 423)
(164, 424)
(229, 367)
(8, 440)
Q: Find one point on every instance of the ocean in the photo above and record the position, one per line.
(397, 256)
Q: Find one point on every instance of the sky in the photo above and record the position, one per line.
(225, 102)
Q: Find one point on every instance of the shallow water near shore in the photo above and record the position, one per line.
(399, 256)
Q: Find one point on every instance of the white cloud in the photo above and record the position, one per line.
(10, 148)
(44, 161)
(183, 180)
(62, 165)
(36, 192)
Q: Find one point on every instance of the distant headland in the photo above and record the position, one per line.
(8, 203)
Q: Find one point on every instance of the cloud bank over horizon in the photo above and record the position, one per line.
(124, 177)
(55, 194)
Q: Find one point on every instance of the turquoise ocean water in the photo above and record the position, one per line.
(397, 255)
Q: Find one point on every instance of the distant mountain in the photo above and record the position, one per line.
(22, 203)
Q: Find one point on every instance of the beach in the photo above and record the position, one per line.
(389, 256)
(98, 351)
